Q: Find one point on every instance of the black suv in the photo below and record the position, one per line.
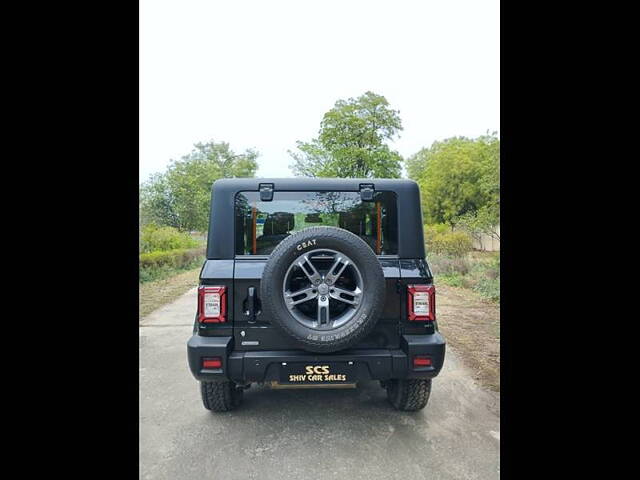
(315, 282)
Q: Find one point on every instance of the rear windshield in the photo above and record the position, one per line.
(261, 226)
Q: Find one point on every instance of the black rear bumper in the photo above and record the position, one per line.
(264, 366)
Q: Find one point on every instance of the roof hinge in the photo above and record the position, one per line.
(266, 192)
(366, 192)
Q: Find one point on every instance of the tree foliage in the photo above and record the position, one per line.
(459, 177)
(180, 197)
(486, 220)
(352, 141)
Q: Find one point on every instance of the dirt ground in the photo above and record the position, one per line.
(471, 326)
(153, 295)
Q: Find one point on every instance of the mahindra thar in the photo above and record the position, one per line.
(315, 282)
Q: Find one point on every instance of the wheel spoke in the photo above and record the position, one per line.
(307, 292)
(323, 311)
(309, 270)
(330, 277)
(353, 296)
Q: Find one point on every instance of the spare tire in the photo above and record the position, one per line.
(324, 287)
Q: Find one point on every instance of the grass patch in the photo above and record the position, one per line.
(154, 294)
(488, 288)
(451, 279)
(161, 272)
(477, 271)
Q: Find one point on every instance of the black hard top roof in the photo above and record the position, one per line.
(221, 245)
(314, 184)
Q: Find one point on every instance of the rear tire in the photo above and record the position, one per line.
(409, 395)
(220, 396)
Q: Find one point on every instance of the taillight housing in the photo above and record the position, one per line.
(212, 304)
(421, 303)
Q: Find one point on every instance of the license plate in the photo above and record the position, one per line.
(317, 373)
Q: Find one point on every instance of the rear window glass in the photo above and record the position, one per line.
(261, 226)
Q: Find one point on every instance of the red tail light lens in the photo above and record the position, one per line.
(421, 303)
(212, 304)
(421, 361)
(212, 362)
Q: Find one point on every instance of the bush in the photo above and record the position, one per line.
(478, 272)
(443, 265)
(157, 265)
(454, 244)
(430, 231)
(437, 228)
(154, 238)
(484, 278)
(488, 288)
(177, 258)
(152, 274)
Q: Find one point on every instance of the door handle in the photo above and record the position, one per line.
(252, 305)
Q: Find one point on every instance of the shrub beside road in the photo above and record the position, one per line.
(454, 263)
(165, 251)
(478, 271)
(161, 265)
(170, 262)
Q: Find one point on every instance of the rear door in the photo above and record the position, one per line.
(254, 331)
(262, 225)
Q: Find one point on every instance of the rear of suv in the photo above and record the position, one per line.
(315, 282)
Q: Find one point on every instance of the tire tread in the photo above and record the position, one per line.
(409, 395)
(220, 396)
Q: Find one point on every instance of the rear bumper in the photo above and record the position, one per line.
(264, 366)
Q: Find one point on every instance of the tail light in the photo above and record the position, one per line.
(212, 304)
(422, 303)
(212, 362)
(420, 361)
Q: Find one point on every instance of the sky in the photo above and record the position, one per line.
(261, 74)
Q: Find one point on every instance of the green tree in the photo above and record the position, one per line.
(490, 180)
(486, 220)
(352, 141)
(180, 196)
(157, 203)
(459, 177)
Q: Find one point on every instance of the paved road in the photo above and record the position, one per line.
(305, 434)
